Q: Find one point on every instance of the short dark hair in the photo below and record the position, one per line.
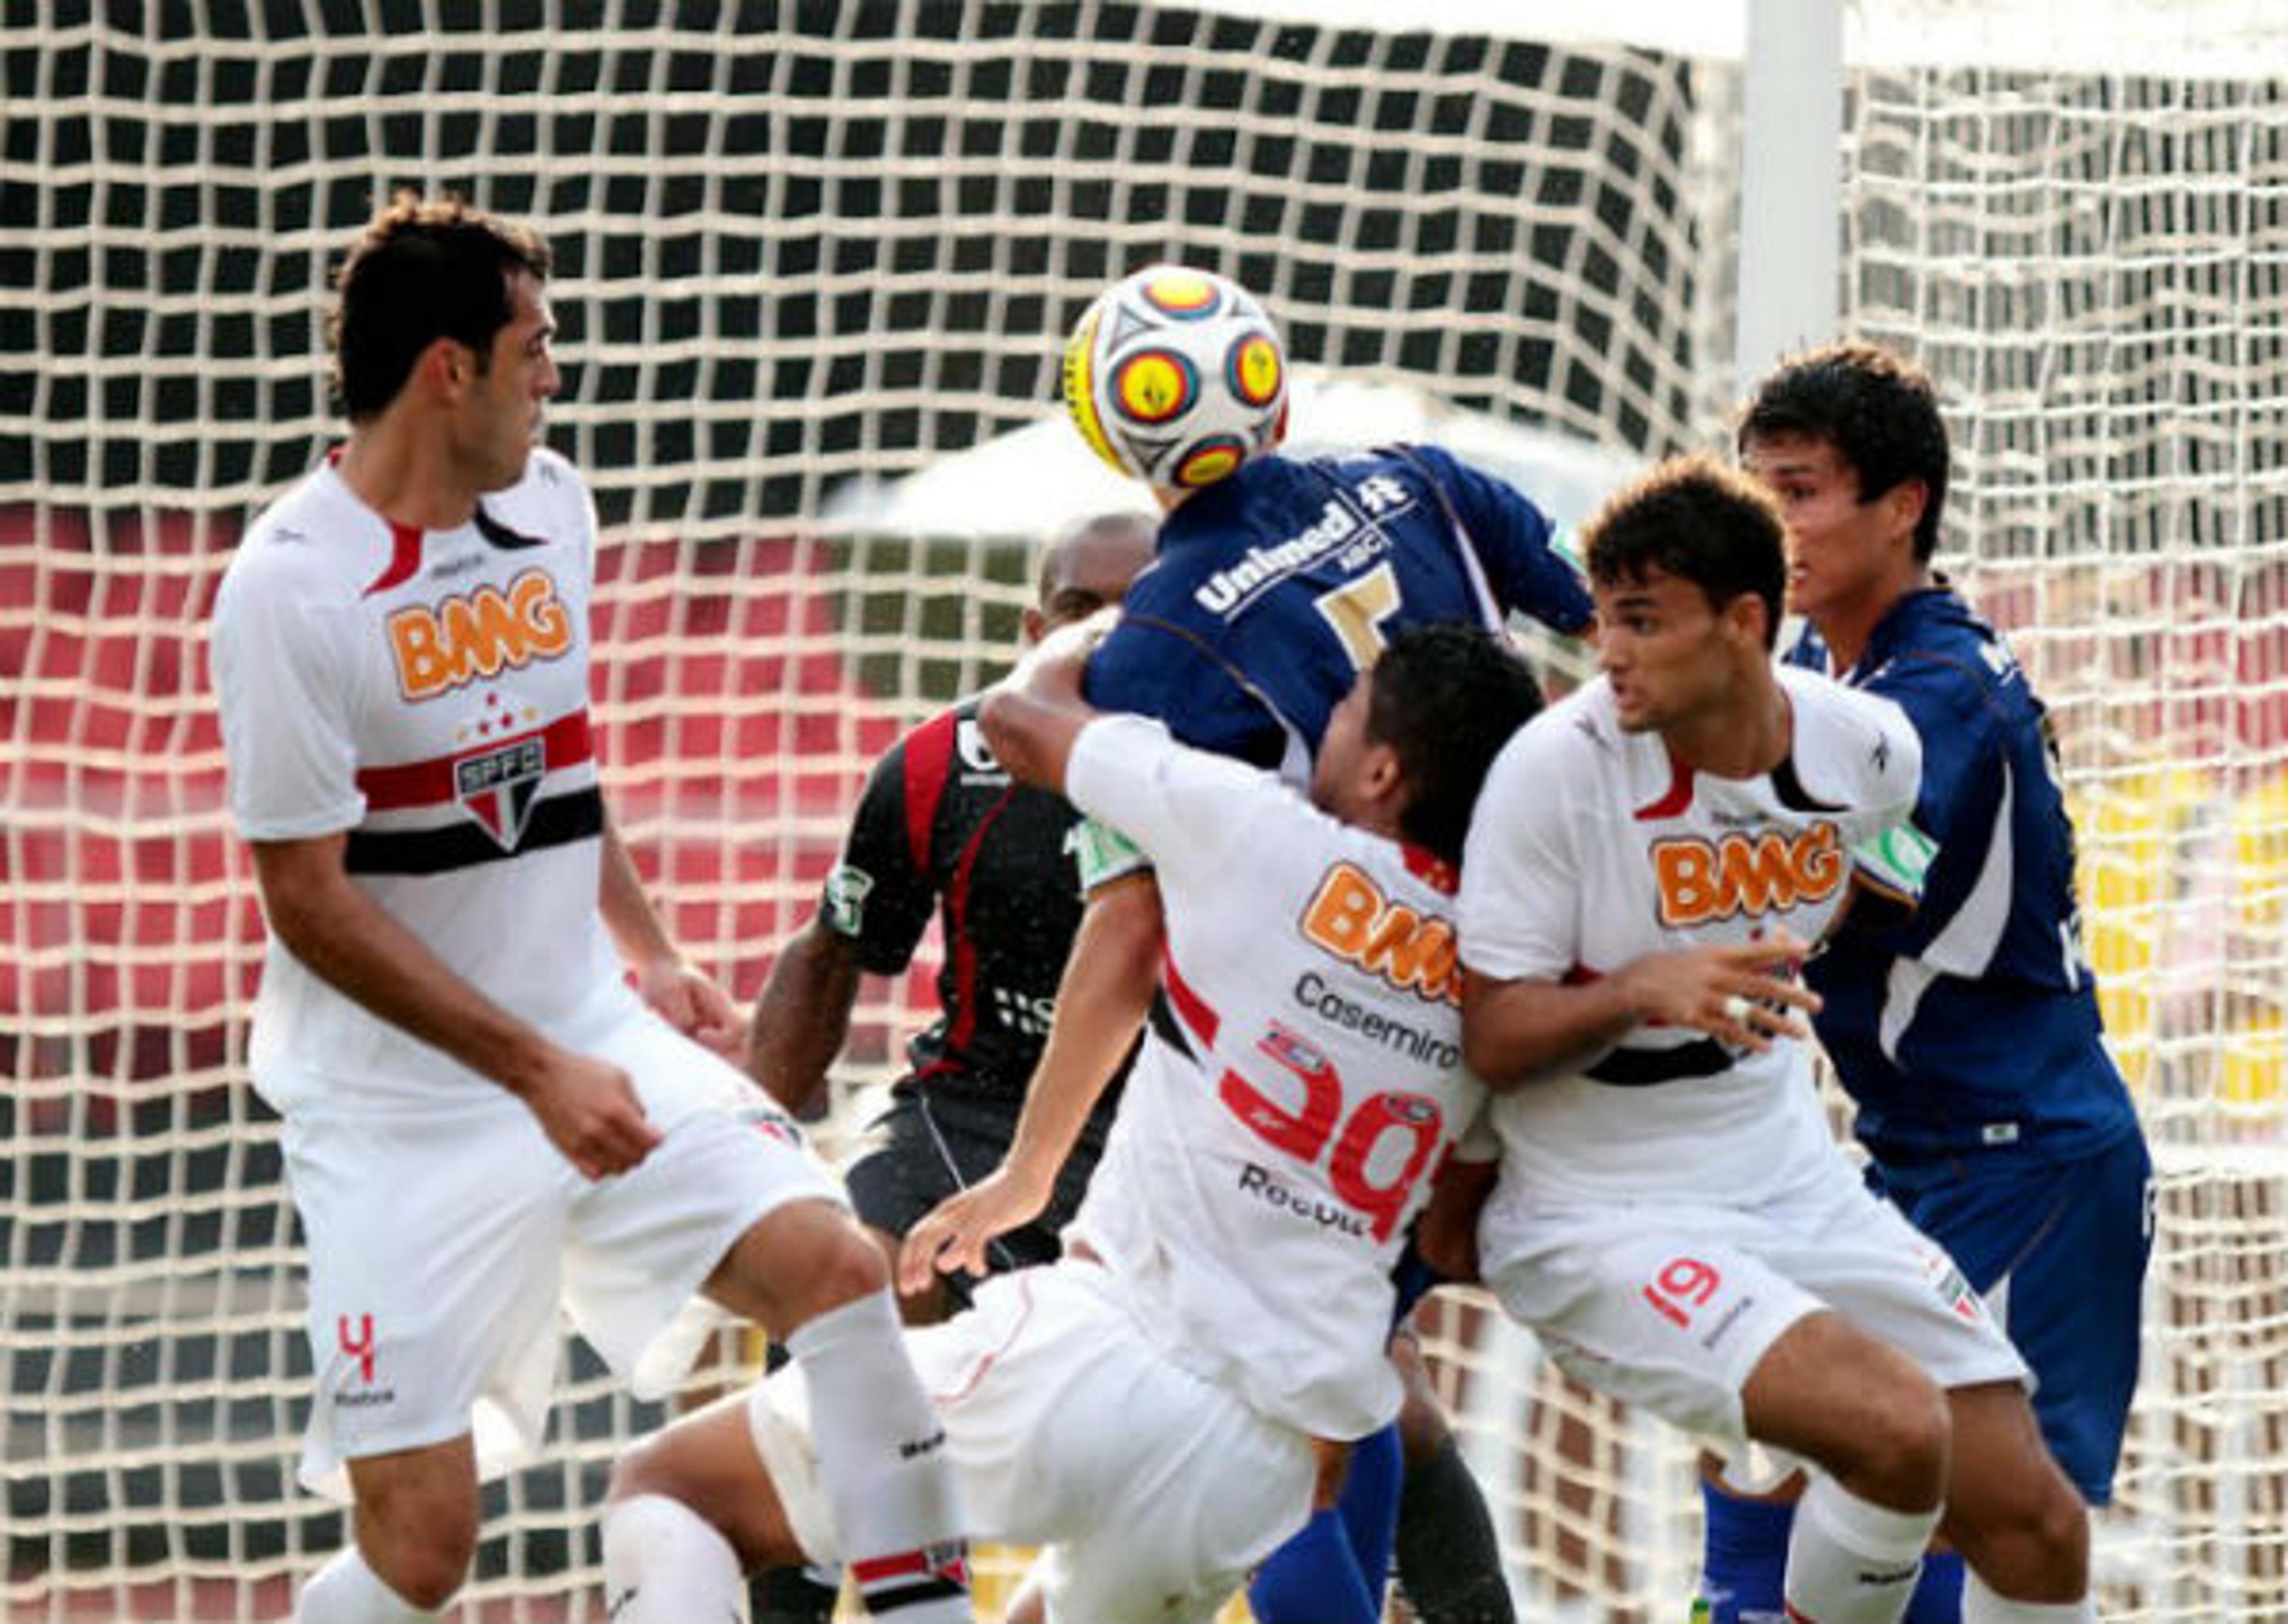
(421, 272)
(1447, 698)
(1878, 409)
(1693, 518)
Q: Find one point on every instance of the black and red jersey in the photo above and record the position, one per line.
(942, 828)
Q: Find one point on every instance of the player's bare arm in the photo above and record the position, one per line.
(687, 999)
(802, 1019)
(1446, 1234)
(1739, 993)
(1107, 982)
(588, 1109)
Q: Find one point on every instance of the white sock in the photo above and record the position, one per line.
(1850, 1561)
(665, 1563)
(1980, 1605)
(346, 1591)
(882, 1460)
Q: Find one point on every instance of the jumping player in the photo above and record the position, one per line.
(481, 1118)
(1970, 1038)
(1146, 1406)
(1651, 859)
(1269, 590)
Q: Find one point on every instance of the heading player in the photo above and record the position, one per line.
(1650, 859)
(1145, 1408)
(1269, 590)
(480, 1117)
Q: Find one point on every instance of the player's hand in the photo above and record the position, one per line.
(695, 1006)
(952, 1237)
(589, 1111)
(1741, 993)
(1053, 665)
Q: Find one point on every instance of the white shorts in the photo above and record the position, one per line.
(441, 1243)
(1154, 1491)
(1671, 1305)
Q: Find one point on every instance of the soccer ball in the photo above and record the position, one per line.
(1176, 376)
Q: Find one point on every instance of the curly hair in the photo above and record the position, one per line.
(1693, 518)
(1446, 698)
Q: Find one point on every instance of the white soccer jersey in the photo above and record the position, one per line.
(1297, 1091)
(428, 692)
(1592, 847)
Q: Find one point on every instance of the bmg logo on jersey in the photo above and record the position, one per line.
(478, 633)
(1350, 917)
(1702, 880)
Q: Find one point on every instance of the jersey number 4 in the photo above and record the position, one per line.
(1354, 1148)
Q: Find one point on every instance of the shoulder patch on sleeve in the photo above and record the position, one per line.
(843, 902)
(1898, 857)
(1102, 854)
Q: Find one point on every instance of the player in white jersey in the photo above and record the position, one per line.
(481, 1118)
(1672, 1216)
(1146, 1406)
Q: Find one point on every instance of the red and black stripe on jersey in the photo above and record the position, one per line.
(941, 830)
(468, 840)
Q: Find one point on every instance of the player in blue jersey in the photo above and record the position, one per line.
(1269, 590)
(1969, 1037)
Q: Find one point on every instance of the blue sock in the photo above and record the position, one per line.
(1313, 1579)
(1370, 1505)
(1743, 1553)
(1938, 1593)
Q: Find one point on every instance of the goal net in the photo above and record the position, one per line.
(806, 254)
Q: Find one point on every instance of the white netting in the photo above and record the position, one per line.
(805, 247)
(2093, 260)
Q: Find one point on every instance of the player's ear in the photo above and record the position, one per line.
(1384, 773)
(447, 365)
(1904, 503)
(1036, 625)
(1749, 619)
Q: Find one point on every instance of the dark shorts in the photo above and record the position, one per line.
(925, 1148)
(2067, 1243)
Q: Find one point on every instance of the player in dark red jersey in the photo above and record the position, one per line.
(942, 829)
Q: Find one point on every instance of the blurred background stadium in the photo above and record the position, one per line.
(809, 252)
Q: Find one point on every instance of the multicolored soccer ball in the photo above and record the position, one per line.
(1176, 376)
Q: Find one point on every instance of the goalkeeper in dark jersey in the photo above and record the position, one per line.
(1270, 588)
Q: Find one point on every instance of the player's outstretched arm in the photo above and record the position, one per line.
(1108, 983)
(1514, 1030)
(687, 999)
(803, 1017)
(588, 1109)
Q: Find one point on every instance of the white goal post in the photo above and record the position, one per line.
(809, 247)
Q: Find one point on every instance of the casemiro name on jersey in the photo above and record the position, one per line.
(1312, 992)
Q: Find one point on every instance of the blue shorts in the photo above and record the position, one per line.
(2059, 1251)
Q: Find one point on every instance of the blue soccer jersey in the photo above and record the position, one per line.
(1270, 590)
(1973, 1027)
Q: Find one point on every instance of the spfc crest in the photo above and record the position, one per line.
(499, 786)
